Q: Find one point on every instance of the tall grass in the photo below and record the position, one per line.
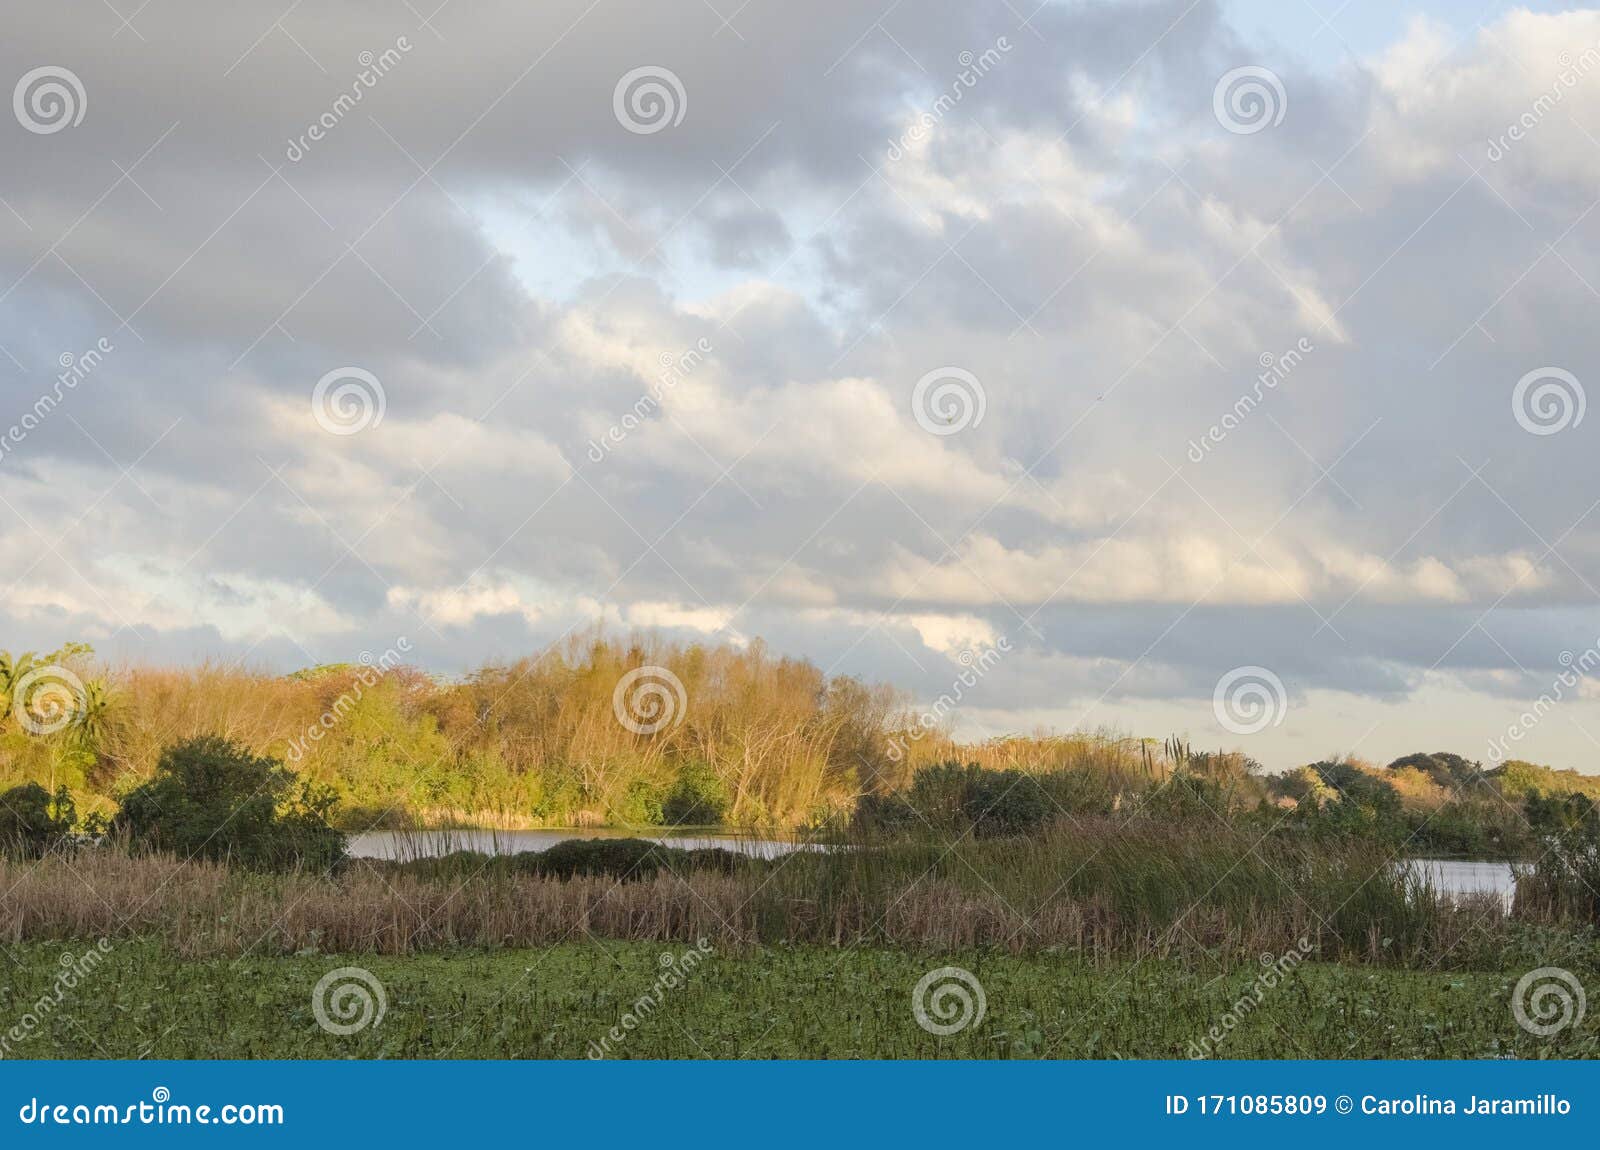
(1103, 890)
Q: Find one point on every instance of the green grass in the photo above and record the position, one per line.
(145, 1000)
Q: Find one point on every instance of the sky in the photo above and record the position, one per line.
(1168, 367)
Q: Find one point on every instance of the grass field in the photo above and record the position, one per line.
(560, 1002)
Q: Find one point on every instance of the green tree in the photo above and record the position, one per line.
(32, 820)
(212, 798)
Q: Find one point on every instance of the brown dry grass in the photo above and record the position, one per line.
(1195, 901)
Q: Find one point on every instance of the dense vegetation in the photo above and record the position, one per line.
(803, 1002)
(1112, 893)
(750, 741)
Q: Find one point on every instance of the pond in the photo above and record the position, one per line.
(403, 845)
(1454, 876)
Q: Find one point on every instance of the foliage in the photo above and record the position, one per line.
(211, 798)
(698, 799)
(955, 798)
(1564, 882)
(757, 741)
(800, 1002)
(32, 820)
(611, 858)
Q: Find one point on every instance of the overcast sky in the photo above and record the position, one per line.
(885, 342)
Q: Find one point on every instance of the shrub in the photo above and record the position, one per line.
(32, 820)
(717, 859)
(950, 797)
(612, 858)
(1564, 881)
(699, 799)
(211, 798)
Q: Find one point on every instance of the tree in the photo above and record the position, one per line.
(32, 820)
(212, 798)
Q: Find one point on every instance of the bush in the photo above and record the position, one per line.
(32, 820)
(211, 798)
(716, 858)
(622, 859)
(1564, 881)
(612, 858)
(699, 799)
(950, 797)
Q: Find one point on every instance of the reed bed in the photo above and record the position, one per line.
(1103, 893)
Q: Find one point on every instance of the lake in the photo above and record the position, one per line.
(1453, 876)
(1450, 876)
(404, 845)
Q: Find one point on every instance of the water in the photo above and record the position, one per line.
(1452, 876)
(429, 844)
(1449, 876)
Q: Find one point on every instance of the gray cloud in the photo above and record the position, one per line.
(739, 306)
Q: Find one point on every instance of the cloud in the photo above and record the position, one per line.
(668, 380)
